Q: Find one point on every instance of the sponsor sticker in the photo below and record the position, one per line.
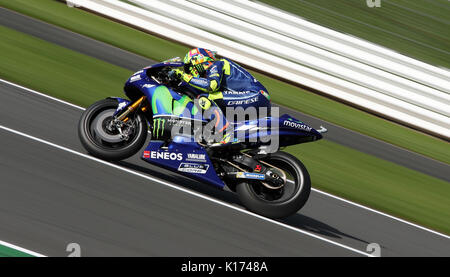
(179, 122)
(200, 82)
(193, 168)
(296, 125)
(135, 78)
(121, 105)
(233, 92)
(243, 102)
(163, 155)
(214, 70)
(148, 86)
(247, 175)
(196, 157)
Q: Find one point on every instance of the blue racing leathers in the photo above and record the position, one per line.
(229, 85)
(233, 84)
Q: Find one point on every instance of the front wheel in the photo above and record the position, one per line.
(282, 202)
(105, 140)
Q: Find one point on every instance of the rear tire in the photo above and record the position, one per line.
(91, 127)
(292, 198)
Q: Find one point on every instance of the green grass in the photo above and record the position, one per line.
(158, 49)
(9, 252)
(416, 28)
(97, 27)
(362, 178)
(56, 70)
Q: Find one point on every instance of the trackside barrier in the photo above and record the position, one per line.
(353, 70)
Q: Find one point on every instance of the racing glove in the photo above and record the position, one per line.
(182, 75)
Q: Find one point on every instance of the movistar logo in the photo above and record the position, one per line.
(297, 125)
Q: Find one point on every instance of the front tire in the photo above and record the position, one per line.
(278, 203)
(103, 143)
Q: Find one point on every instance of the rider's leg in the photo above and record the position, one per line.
(241, 106)
(218, 124)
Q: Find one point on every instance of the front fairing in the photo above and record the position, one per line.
(293, 131)
(285, 129)
(143, 77)
(143, 82)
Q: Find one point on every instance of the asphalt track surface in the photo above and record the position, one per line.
(51, 197)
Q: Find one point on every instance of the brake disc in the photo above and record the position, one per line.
(99, 127)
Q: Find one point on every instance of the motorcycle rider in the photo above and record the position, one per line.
(221, 82)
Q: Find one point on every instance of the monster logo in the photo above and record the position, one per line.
(158, 127)
(204, 103)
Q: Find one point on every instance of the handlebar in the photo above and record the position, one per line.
(168, 78)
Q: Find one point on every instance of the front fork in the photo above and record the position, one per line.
(124, 115)
(122, 118)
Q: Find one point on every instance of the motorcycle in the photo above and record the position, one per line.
(267, 181)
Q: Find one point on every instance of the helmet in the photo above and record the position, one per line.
(198, 60)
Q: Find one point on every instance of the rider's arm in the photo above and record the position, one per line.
(212, 81)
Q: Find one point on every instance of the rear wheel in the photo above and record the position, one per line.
(281, 202)
(104, 139)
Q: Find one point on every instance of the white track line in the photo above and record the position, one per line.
(180, 189)
(42, 94)
(316, 190)
(18, 248)
(383, 214)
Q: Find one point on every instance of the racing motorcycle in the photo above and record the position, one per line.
(267, 181)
